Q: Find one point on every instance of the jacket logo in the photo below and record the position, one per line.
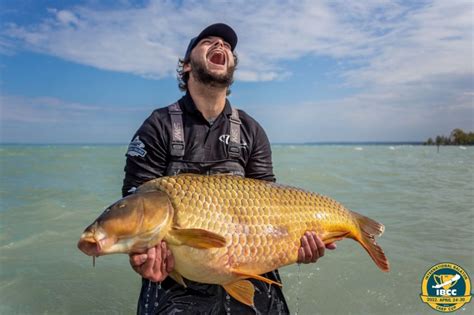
(226, 138)
(136, 148)
(178, 132)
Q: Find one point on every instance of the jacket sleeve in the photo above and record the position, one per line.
(147, 155)
(260, 164)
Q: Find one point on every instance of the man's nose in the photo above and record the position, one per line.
(218, 42)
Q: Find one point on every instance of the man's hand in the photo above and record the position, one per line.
(312, 248)
(155, 264)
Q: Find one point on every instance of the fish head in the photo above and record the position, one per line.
(131, 225)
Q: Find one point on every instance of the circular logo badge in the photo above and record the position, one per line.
(446, 287)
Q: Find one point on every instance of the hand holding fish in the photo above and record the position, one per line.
(312, 248)
(155, 264)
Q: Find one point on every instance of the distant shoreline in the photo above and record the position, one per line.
(352, 143)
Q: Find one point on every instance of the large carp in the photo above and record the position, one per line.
(223, 229)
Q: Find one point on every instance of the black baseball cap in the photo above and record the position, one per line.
(221, 30)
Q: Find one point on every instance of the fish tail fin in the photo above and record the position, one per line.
(368, 230)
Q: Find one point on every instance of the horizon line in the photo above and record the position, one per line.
(344, 142)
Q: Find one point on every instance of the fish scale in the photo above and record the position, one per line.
(223, 229)
(292, 213)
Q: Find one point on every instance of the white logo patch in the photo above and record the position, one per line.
(136, 148)
(177, 132)
(226, 138)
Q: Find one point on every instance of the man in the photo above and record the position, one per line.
(202, 133)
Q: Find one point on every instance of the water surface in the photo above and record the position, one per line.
(424, 198)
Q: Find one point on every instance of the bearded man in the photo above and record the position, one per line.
(203, 133)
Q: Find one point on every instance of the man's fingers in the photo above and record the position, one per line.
(306, 249)
(308, 253)
(169, 261)
(164, 251)
(319, 245)
(300, 254)
(155, 264)
(153, 255)
(164, 256)
(314, 250)
(331, 246)
(156, 273)
(148, 268)
(136, 260)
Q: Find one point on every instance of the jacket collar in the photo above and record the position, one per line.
(188, 105)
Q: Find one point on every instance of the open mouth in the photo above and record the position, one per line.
(89, 246)
(217, 58)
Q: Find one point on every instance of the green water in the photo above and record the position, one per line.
(424, 198)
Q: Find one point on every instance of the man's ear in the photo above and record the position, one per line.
(187, 67)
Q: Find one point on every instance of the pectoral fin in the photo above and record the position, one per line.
(176, 276)
(242, 290)
(197, 238)
(258, 277)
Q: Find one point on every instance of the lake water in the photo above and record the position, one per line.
(49, 194)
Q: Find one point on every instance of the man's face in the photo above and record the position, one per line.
(212, 62)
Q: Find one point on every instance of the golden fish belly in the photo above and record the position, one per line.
(262, 223)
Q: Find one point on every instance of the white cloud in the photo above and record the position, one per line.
(48, 119)
(411, 112)
(40, 109)
(412, 60)
(50, 110)
(66, 17)
(390, 42)
(434, 40)
(393, 42)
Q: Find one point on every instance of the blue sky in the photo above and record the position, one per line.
(92, 71)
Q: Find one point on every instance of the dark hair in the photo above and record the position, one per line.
(183, 76)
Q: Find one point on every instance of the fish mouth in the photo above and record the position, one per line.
(91, 246)
(217, 57)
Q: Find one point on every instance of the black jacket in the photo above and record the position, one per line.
(148, 155)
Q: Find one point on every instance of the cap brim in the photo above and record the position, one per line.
(221, 30)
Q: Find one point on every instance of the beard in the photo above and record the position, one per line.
(215, 80)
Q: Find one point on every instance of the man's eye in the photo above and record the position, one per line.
(227, 45)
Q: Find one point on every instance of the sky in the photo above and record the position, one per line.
(309, 71)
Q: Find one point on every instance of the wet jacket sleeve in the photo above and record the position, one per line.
(146, 155)
(260, 165)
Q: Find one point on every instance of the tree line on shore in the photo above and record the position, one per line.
(457, 137)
